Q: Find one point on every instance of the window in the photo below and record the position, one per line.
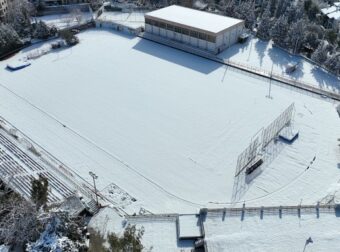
(185, 31)
(149, 21)
(170, 27)
(211, 38)
(202, 36)
(194, 34)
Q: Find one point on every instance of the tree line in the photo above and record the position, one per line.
(17, 26)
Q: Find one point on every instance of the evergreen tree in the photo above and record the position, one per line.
(130, 241)
(333, 63)
(279, 32)
(311, 40)
(272, 7)
(39, 191)
(320, 55)
(265, 25)
(42, 31)
(19, 16)
(9, 39)
(282, 7)
(295, 36)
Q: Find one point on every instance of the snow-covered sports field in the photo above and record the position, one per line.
(167, 127)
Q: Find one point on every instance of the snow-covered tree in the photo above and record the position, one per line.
(295, 36)
(320, 55)
(130, 241)
(18, 220)
(19, 16)
(246, 11)
(9, 39)
(279, 31)
(263, 30)
(61, 233)
(42, 31)
(272, 7)
(282, 7)
(39, 191)
(293, 13)
(333, 63)
(311, 40)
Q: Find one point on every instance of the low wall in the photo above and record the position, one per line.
(118, 26)
(62, 9)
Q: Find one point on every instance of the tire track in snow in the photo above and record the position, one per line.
(100, 148)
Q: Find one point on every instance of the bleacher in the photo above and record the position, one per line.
(18, 168)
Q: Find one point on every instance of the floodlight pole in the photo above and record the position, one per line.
(270, 82)
(94, 177)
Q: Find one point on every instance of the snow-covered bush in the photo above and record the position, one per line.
(69, 37)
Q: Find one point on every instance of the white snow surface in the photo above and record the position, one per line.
(262, 55)
(160, 234)
(107, 221)
(167, 126)
(194, 18)
(188, 226)
(272, 233)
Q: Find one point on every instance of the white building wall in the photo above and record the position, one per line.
(178, 36)
(148, 28)
(170, 34)
(186, 39)
(223, 41)
(155, 30)
(194, 41)
(162, 32)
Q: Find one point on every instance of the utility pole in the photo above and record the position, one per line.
(270, 83)
(94, 177)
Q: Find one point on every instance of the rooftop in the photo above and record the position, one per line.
(194, 18)
(189, 226)
(332, 11)
(225, 232)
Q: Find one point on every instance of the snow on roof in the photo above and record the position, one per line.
(194, 18)
(189, 226)
(107, 220)
(160, 233)
(73, 205)
(332, 11)
(272, 233)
